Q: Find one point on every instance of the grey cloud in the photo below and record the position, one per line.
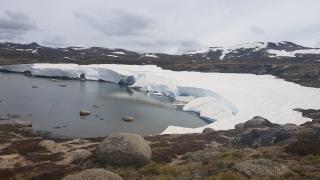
(55, 41)
(256, 29)
(13, 24)
(116, 23)
(165, 45)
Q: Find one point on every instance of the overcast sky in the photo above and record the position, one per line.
(159, 25)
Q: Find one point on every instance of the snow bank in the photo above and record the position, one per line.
(227, 98)
(209, 108)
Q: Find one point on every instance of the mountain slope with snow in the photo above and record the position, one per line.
(258, 50)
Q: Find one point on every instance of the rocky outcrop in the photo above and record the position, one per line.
(261, 167)
(94, 174)
(261, 132)
(124, 149)
(257, 122)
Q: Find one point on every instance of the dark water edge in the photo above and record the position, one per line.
(53, 107)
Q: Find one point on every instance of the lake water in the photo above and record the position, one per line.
(53, 106)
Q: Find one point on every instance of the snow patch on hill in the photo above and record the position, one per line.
(150, 55)
(119, 53)
(283, 53)
(256, 46)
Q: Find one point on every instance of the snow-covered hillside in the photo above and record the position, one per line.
(227, 98)
(256, 50)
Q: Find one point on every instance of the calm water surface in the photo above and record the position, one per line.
(54, 105)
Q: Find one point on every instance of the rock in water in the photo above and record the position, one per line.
(124, 149)
(84, 113)
(82, 77)
(94, 174)
(95, 106)
(128, 118)
(261, 167)
(27, 73)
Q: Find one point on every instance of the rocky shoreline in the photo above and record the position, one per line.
(256, 149)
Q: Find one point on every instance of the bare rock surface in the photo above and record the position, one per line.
(261, 167)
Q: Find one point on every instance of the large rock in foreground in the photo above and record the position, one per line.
(261, 167)
(124, 149)
(94, 174)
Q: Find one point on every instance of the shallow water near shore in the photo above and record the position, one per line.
(53, 106)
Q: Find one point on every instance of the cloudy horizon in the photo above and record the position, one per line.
(159, 26)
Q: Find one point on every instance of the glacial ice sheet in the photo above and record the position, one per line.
(227, 98)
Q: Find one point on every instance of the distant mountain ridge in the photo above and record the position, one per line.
(258, 51)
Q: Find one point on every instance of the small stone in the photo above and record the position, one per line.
(208, 130)
(27, 73)
(13, 116)
(81, 155)
(128, 118)
(82, 76)
(54, 80)
(84, 113)
(34, 87)
(48, 144)
(62, 85)
(95, 106)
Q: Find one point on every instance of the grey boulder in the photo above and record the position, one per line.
(94, 174)
(124, 149)
(80, 155)
(208, 130)
(129, 80)
(257, 122)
